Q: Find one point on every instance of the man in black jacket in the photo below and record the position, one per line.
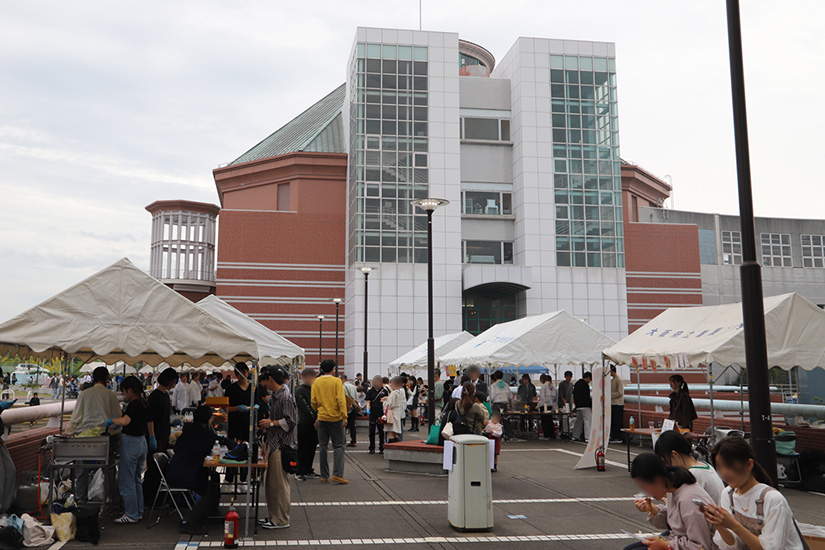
(374, 397)
(186, 470)
(584, 407)
(307, 434)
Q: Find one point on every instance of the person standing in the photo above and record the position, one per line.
(565, 390)
(394, 406)
(439, 390)
(133, 449)
(412, 404)
(279, 435)
(158, 429)
(329, 402)
(93, 407)
(307, 433)
(180, 395)
(616, 405)
(351, 397)
(375, 401)
(500, 395)
(584, 407)
(681, 405)
(474, 372)
(237, 424)
(195, 389)
(54, 384)
(547, 402)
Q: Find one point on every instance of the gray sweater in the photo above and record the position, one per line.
(689, 530)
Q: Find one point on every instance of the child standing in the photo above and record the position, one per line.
(493, 430)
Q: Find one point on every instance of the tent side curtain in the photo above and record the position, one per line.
(123, 314)
(690, 337)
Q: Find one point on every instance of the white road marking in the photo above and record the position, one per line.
(57, 545)
(612, 463)
(485, 539)
(444, 502)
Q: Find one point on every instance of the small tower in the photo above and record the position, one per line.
(184, 234)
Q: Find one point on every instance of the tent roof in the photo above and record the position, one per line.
(273, 349)
(444, 344)
(123, 314)
(556, 338)
(693, 336)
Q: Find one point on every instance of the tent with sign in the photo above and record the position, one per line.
(417, 359)
(273, 349)
(549, 339)
(700, 336)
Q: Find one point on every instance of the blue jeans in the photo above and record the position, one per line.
(133, 450)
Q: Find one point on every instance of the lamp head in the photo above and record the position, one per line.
(429, 204)
(366, 270)
(337, 300)
(320, 317)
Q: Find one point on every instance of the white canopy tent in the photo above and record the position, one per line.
(123, 314)
(273, 349)
(700, 336)
(417, 358)
(548, 339)
(694, 336)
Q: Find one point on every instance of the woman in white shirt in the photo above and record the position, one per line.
(676, 450)
(394, 405)
(751, 514)
(180, 395)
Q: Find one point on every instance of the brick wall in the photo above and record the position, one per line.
(24, 448)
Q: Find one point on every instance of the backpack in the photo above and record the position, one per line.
(460, 424)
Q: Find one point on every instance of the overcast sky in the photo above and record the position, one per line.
(106, 107)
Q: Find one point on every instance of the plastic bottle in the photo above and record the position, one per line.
(216, 453)
(632, 424)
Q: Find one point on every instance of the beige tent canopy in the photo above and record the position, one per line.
(123, 314)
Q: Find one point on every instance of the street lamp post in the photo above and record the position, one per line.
(429, 206)
(366, 270)
(753, 309)
(320, 339)
(337, 306)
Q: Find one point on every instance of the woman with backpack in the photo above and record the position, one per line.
(471, 413)
(751, 513)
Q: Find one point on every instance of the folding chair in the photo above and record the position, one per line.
(788, 469)
(162, 461)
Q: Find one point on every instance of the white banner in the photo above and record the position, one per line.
(600, 423)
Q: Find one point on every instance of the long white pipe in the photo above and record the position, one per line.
(17, 415)
(780, 409)
(693, 387)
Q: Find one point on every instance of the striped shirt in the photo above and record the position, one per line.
(284, 413)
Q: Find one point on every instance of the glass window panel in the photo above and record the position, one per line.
(405, 52)
(481, 128)
(571, 62)
(374, 51)
(389, 51)
(557, 76)
(556, 62)
(420, 53)
(505, 130)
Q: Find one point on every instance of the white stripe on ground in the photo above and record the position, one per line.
(444, 502)
(423, 540)
(57, 545)
(612, 463)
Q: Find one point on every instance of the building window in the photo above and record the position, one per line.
(481, 309)
(488, 252)
(283, 197)
(776, 250)
(813, 250)
(487, 203)
(731, 247)
(486, 129)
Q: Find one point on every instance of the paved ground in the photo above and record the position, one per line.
(558, 508)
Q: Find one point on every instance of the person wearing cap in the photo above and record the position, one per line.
(329, 401)
(279, 433)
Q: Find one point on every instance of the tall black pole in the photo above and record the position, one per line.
(337, 362)
(753, 311)
(366, 323)
(430, 338)
(320, 339)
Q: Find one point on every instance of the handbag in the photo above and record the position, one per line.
(434, 435)
(390, 417)
(447, 430)
(289, 459)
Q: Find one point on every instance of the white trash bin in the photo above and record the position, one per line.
(470, 498)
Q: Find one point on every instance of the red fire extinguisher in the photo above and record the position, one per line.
(230, 527)
(600, 459)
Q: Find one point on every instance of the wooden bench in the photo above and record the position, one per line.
(414, 457)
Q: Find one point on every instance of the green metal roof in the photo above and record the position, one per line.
(319, 129)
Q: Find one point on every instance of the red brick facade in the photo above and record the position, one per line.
(282, 250)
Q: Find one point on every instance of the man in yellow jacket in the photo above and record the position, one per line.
(328, 400)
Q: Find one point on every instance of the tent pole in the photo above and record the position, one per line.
(63, 392)
(639, 391)
(741, 402)
(712, 411)
(250, 442)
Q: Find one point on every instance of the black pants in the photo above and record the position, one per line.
(635, 545)
(616, 421)
(351, 427)
(307, 442)
(548, 427)
(376, 426)
(151, 479)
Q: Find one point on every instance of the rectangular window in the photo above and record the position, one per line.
(283, 197)
(813, 250)
(776, 250)
(485, 129)
(731, 247)
(487, 203)
(488, 252)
